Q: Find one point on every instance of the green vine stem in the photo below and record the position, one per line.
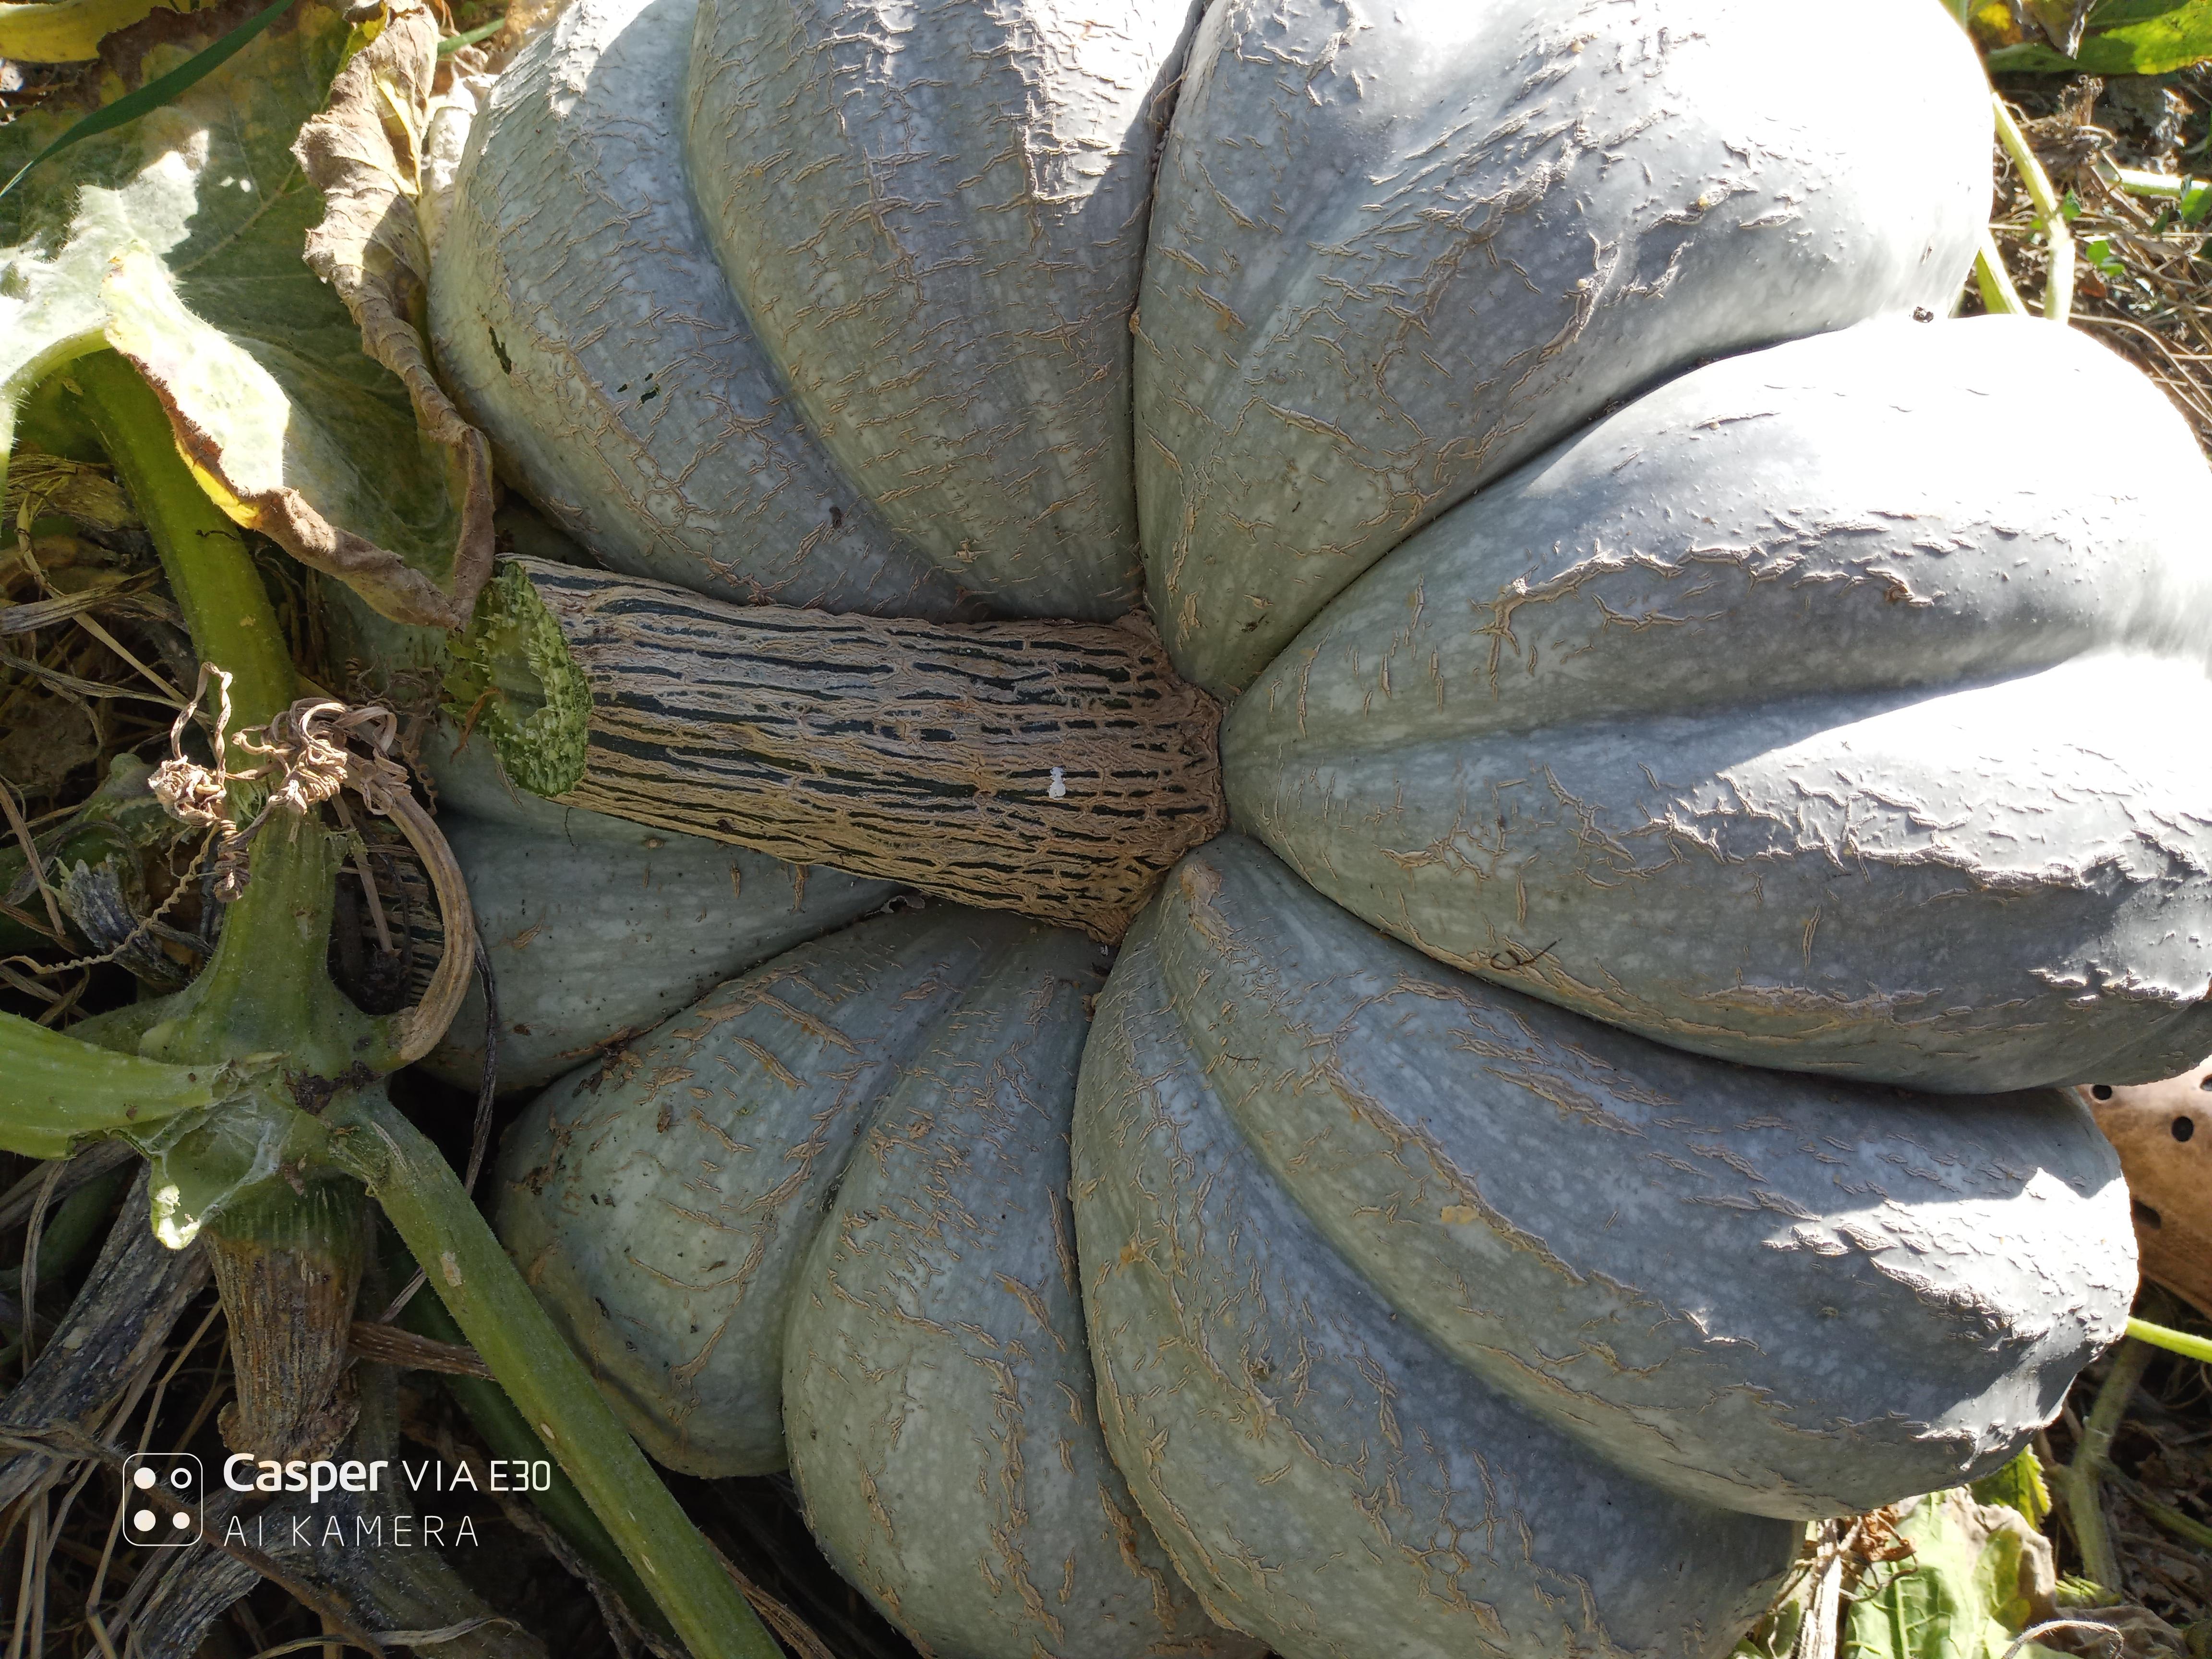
(510, 1437)
(265, 990)
(472, 1275)
(2049, 216)
(262, 1034)
(2174, 1341)
(2081, 1482)
(58, 1092)
(225, 608)
(1995, 281)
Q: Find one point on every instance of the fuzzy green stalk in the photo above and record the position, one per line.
(2079, 1483)
(225, 608)
(56, 1092)
(265, 991)
(2174, 1341)
(1999, 296)
(511, 1439)
(2049, 213)
(557, 1398)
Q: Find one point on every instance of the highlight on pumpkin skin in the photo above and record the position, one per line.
(1391, 261)
(935, 217)
(1768, 717)
(658, 434)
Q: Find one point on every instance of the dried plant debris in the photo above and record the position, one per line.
(366, 154)
(136, 1359)
(2130, 1462)
(1976, 1577)
(2132, 158)
(90, 650)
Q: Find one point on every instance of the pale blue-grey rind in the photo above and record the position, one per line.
(1782, 1294)
(601, 929)
(938, 1395)
(1792, 715)
(933, 212)
(579, 317)
(1329, 1479)
(662, 1203)
(1397, 249)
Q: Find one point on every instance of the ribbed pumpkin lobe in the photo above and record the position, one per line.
(1397, 250)
(933, 213)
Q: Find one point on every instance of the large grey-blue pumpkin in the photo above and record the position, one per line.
(968, 349)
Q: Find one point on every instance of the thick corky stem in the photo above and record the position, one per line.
(287, 1267)
(1055, 768)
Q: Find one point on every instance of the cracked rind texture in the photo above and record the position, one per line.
(1778, 1294)
(1785, 716)
(1327, 1479)
(580, 318)
(661, 1204)
(1396, 251)
(938, 1393)
(598, 929)
(933, 212)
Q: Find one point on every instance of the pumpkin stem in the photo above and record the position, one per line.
(1055, 769)
(289, 1266)
(2079, 1483)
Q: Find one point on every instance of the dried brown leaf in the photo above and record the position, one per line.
(2163, 1133)
(364, 152)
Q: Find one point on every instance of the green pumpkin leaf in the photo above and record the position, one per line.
(2124, 37)
(202, 1161)
(65, 31)
(163, 89)
(178, 240)
(2017, 1485)
(1979, 1574)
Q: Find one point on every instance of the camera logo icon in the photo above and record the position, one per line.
(164, 1495)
